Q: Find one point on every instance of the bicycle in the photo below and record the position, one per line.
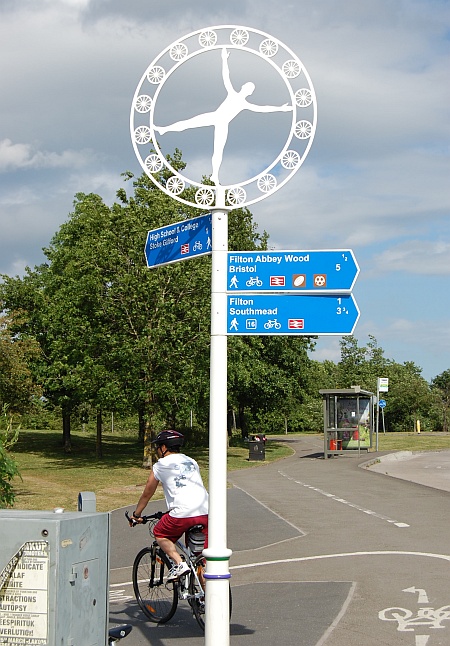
(117, 633)
(157, 597)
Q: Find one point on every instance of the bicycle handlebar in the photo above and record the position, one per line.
(144, 519)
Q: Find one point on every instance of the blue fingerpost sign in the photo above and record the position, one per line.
(326, 270)
(291, 314)
(179, 241)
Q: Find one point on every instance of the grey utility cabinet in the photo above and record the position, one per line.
(54, 578)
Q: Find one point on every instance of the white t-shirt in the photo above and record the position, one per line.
(182, 484)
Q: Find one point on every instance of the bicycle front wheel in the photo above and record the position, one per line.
(197, 591)
(157, 599)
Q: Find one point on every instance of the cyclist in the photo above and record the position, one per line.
(186, 497)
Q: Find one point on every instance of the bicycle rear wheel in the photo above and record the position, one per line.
(157, 599)
(197, 590)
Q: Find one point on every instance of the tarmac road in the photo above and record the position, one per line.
(337, 555)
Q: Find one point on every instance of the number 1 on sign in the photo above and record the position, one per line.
(339, 309)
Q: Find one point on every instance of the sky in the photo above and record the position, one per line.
(376, 179)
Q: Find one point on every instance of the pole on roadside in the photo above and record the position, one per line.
(378, 415)
(217, 612)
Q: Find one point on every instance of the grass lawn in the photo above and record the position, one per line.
(51, 478)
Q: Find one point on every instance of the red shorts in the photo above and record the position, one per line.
(174, 528)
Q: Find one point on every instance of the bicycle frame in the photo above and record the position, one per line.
(188, 557)
(156, 600)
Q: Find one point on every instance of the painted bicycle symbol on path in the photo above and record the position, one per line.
(425, 616)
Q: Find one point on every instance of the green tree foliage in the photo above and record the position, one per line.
(8, 466)
(17, 386)
(114, 333)
(99, 331)
(440, 387)
(409, 397)
(269, 382)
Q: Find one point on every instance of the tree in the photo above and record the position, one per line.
(360, 366)
(114, 333)
(269, 381)
(409, 397)
(8, 466)
(440, 387)
(17, 386)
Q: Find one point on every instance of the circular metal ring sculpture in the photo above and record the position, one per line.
(292, 151)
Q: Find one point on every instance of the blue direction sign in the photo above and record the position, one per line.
(382, 403)
(328, 270)
(179, 241)
(291, 314)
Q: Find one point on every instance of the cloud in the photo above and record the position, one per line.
(25, 156)
(416, 257)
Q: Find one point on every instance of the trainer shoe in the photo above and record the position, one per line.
(177, 571)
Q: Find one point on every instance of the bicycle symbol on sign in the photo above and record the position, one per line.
(426, 616)
(254, 281)
(272, 323)
(198, 246)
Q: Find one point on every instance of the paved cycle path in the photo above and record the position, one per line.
(322, 549)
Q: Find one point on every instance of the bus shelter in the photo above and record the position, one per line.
(348, 420)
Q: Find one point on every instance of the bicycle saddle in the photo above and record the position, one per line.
(119, 632)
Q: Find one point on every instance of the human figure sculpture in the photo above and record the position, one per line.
(234, 103)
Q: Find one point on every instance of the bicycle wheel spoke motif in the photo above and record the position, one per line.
(239, 37)
(303, 130)
(236, 195)
(290, 159)
(175, 185)
(268, 47)
(204, 196)
(303, 97)
(178, 52)
(156, 74)
(291, 69)
(143, 103)
(207, 38)
(267, 183)
(153, 163)
(142, 135)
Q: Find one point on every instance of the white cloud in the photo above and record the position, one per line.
(25, 156)
(416, 257)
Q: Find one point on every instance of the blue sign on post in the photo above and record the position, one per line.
(382, 403)
(291, 314)
(333, 270)
(179, 241)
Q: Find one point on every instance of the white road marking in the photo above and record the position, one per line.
(338, 618)
(345, 502)
(319, 557)
(423, 597)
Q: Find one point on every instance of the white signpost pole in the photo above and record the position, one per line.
(226, 44)
(217, 623)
